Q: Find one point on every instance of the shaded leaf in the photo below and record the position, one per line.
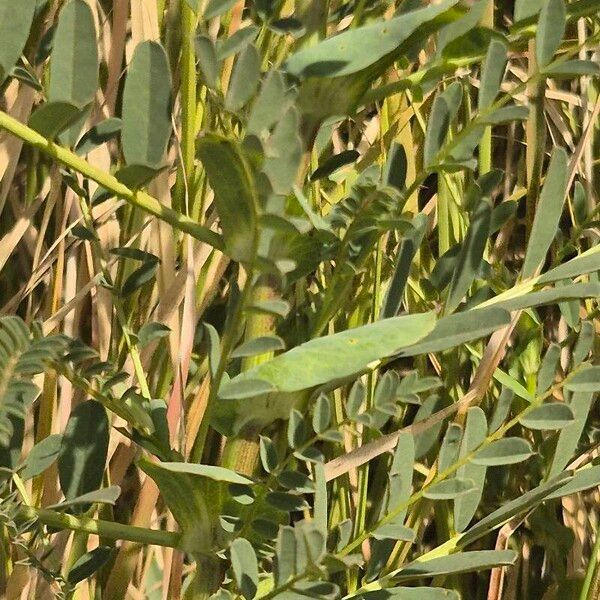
(41, 456)
(244, 79)
(85, 566)
(553, 415)
(245, 567)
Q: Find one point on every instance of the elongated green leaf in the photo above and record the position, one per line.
(147, 107)
(85, 566)
(236, 198)
(74, 63)
(259, 345)
(583, 479)
(337, 356)
(492, 73)
(208, 62)
(322, 414)
(471, 255)
(474, 434)
(444, 109)
(449, 489)
(408, 593)
(554, 415)
(268, 454)
(270, 103)
(580, 404)
(547, 369)
(450, 447)
(244, 79)
(588, 262)
(585, 342)
(573, 68)
(41, 456)
(585, 380)
(408, 248)
(245, 567)
(83, 450)
(453, 330)
(547, 214)
(207, 471)
(572, 291)
(333, 163)
(286, 555)
(394, 531)
(463, 562)
(515, 507)
(357, 49)
(502, 409)
(506, 451)
(15, 22)
(551, 28)
(107, 495)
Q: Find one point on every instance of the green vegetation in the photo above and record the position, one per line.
(299, 299)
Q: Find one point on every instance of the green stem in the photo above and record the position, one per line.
(590, 583)
(137, 198)
(107, 529)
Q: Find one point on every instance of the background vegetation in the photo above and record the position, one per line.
(299, 299)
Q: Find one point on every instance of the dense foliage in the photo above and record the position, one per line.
(299, 299)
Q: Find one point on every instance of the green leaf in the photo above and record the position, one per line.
(286, 555)
(463, 562)
(214, 473)
(394, 531)
(321, 414)
(514, 507)
(333, 163)
(270, 103)
(585, 380)
(83, 450)
(587, 262)
(454, 330)
(286, 502)
(41, 456)
(492, 73)
(408, 593)
(214, 8)
(502, 409)
(244, 79)
(259, 345)
(580, 404)
(474, 434)
(553, 415)
(550, 31)
(245, 567)
(548, 213)
(52, 118)
(150, 332)
(445, 107)
(147, 107)
(583, 479)
(98, 135)
(74, 62)
(471, 255)
(108, 495)
(237, 42)
(236, 197)
(547, 370)
(505, 451)
(585, 342)
(208, 62)
(245, 388)
(268, 454)
(406, 253)
(506, 114)
(394, 173)
(450, 447)
(138, 278)
(337, 356)
(449, 489)
(15, 22)
(357, 49)
(573, 68)
(85, 566)
(297, 433)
